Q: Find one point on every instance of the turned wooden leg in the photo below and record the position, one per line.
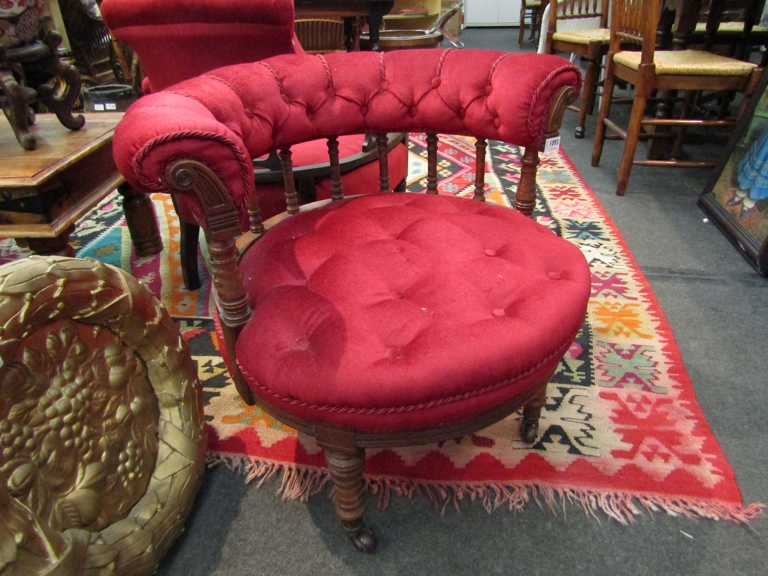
(189, 241)
(529, 429)
(630, 145)
(587, 96)
(142, 221)
(346, 468)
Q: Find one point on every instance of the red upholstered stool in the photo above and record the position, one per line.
(383, 319)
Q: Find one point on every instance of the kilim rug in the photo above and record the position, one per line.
(621, 430)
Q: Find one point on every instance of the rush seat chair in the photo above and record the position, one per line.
(182, 39)
(652, 70)
(578, 27)
(384, 319)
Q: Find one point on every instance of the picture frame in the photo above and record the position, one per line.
(736, 196)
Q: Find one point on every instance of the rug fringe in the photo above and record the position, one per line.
(300, 482)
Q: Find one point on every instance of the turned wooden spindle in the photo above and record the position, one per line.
(291, 197)
(480, 147)
(256, 225)
(432, 163)
(383, 148)
(525, 197)
(337, 192)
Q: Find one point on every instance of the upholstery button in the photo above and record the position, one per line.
(436, 82)
(393, 352)
(461, 113)
(497, 122)
(555, 275)
(398, 295)
(363, 110)
(490, 252)
(498, 313)
(488, 90)
(331, 93)
(384, 86)
(412, 111)
(286, 99)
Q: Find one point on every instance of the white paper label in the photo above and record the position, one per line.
(551, 144)
(111, 106)
(98, 107)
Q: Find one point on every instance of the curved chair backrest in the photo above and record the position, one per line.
(229, 116)
(205, 34)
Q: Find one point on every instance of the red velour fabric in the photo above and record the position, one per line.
(230, 115)
(405, 311)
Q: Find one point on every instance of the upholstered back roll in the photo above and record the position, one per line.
(180, 39)
(228, 116)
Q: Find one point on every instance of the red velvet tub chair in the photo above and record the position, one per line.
(180, 39)
(385, 319)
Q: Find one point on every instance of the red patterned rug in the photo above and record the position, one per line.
(621, 431)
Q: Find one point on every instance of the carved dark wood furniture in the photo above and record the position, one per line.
(44, 192)
(383, 319)
(664, 70)
(16, 96)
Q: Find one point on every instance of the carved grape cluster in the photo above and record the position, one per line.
(74, 427)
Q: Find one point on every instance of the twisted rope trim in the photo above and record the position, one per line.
(161, 186)
(537, 135)
(411, 407)
(327, 67)
(275, 75)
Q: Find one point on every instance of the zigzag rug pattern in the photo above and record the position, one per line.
(621, 431)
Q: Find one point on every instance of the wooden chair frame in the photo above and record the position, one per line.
(344, 448)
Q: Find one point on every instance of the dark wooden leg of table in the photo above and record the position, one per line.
(142, 221)
(58, 246)
(375, 21)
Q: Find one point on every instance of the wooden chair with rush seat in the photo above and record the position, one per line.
(578, 27)
(381, 319)
(634, 21)
(530, 17)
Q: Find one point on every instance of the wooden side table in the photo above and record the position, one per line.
(44, 192)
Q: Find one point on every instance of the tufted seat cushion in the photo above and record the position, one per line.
(407, 311)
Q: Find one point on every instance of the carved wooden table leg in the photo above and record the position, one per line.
(142, 221)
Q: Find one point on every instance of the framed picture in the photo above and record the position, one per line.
(736, 196)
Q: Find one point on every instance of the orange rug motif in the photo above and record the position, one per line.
(621, 432)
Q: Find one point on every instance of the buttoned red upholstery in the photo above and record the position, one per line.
(407, 311)
(227, 116)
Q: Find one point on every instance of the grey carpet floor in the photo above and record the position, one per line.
(718, 309)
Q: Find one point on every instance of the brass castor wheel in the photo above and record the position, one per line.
(361, 536)
(529, 430)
